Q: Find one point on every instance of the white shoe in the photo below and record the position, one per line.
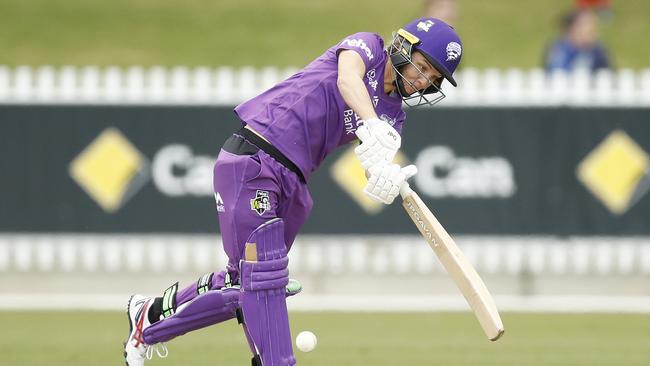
(135, 350)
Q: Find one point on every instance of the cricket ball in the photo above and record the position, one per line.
(306, 341)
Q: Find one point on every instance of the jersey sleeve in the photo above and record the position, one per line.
(368, 45)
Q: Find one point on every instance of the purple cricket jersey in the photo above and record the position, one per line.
(305, 116)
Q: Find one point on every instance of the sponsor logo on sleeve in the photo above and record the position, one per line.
(359, 43)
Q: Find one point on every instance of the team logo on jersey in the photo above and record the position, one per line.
(424, 26)
(359, 43)
(219, 201)
(261, 202)
(453, 51)
(371, 79)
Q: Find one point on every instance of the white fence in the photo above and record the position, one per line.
(229, 86)
(340, 273)
(330, 254)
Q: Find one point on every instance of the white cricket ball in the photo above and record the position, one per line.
(306, 341)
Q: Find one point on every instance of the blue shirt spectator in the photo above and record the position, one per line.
(578, 47)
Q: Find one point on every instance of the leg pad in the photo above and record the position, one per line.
(206, 309)
(264, 277)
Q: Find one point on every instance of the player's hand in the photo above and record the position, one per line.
(379, 143)
(386, 180)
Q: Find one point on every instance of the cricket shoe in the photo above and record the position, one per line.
(135, 349)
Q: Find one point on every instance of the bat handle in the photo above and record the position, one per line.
(405, 190)
(409, 171)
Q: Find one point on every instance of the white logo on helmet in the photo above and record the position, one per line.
(424, 26)
(453, 51)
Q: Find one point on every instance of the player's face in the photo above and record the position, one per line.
(420, 76)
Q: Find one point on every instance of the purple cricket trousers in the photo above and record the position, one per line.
(251, 187)
(250, 190)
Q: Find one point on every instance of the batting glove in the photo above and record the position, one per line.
(386, 180)
(379, 143)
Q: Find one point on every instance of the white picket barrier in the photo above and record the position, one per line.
(525, 273)
(229, 86)
(333, 254)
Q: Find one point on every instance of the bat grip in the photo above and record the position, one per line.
(405, 190)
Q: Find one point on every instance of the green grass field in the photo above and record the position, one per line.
(94, 338)
(502, 33)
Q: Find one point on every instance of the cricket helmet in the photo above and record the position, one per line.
(438, 42)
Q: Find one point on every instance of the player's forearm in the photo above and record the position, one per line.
(355, 95)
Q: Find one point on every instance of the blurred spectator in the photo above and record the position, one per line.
(445, 10)
(578, 47)
(601, 7)
(592, 4)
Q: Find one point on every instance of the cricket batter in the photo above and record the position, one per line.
(354, 91)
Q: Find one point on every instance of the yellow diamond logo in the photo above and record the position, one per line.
(616, 172)
(111, 170)
(348, 173)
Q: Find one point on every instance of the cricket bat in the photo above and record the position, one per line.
(459, 268)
